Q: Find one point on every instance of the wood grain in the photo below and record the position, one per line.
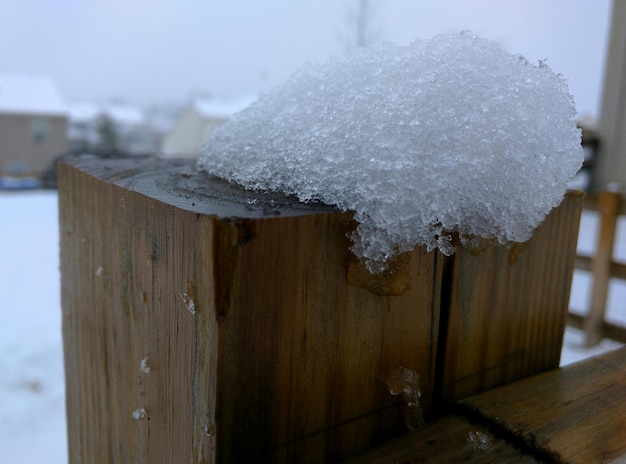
(576, 414)
(203, 323)
(508, 307)
(254, 338)
(601, 266)
(451, 439)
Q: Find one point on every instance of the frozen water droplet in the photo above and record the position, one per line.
(405, 382)
(144, 366)
(191, 305)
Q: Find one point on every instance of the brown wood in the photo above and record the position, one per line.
(612, 331)
(601, 266)
(508, 307)
(253, 337)
(591, 203)
(203, 323)
(451, 439)
(575, 414)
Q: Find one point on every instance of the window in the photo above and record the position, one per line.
(39, 130)
(16, 167)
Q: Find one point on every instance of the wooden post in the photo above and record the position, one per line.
(601, 266)
(508, 308)
(203, 323)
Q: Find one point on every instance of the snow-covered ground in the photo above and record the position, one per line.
(32, 404)
(581, 291)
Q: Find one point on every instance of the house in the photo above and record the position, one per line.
(187, 137)
(609, 171)
(33, 125)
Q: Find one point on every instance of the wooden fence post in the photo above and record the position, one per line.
(203, 323)
(601, 266)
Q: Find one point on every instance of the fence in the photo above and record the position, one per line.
(603, 267)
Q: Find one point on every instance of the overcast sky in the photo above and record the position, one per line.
(154, 51)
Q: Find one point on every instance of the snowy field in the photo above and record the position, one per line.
(32, 404)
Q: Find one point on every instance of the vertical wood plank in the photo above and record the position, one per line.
(307, 350)
(601, 263)
(140, 364)
(508, 307)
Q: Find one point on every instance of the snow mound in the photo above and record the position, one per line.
(442, 142)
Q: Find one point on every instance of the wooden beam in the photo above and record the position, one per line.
(574, 414)
(205, 323)
(450, 439)
(601, 266)
(507, 313)
(202, 322)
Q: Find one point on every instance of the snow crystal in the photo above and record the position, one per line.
(478, 441)
(442, 142)
(139, 414)
(144, 366)
(191, 305)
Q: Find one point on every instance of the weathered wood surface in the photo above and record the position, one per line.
(451, 439)
(203, 323)
(508, 308)
(576, 414)
(253, 337)
(601, 266)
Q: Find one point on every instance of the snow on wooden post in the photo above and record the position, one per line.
(203, 323)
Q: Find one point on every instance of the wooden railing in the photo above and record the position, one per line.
(603, 267)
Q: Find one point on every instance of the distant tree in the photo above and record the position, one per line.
(362, 28)
(108, 136)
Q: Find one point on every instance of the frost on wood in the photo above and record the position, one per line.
(478, 441)
(448, 137)
(188, 300)
(144, 365)
(405, 382)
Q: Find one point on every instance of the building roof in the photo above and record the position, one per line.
(219, 108)
(122, 113)
(30, 94)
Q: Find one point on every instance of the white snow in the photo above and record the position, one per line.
(189, 303)
(144, 365)
(448, 135)
(32, 387)
(125, 114)
(221, 108)
(32, 403)
(32, 94)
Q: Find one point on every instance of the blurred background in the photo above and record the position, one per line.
(153, 77)
(92, 78)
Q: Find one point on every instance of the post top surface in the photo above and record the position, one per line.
(178, 183)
